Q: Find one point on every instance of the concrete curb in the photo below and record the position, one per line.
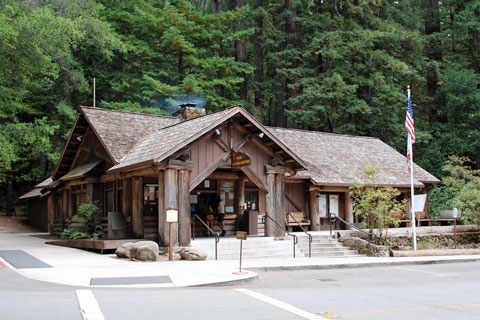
(225, 283)
(357, 265)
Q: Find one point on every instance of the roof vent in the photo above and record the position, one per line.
(189, 111)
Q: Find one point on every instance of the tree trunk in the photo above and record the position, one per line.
(240, 53)
(433, 51)
(259, 57)
(9, 204)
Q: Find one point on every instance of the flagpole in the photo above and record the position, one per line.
(412, 205)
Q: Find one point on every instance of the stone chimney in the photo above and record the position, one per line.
(189, 111)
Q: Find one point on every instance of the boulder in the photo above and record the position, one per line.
(141, 250)
(124, 250)
(192, 254)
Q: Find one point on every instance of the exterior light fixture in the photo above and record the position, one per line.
(261, 135)
(218, 133)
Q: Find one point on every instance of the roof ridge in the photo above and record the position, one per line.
(325, 133)
(147, 136)
(129, 112)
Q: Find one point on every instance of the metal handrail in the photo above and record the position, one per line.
(310, 238)
(217, 238)
(369, 234)
(295, 238)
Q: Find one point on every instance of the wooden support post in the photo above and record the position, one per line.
(70, 204)
(162, 218)
(240, 202)
(64, 206)
(279, 196)
(90, 192)
(348, 209)
(171, 198)
(314, 211)
(270, 205)
(51, 211)
(184, 226)
(127, 198)
(137, 207)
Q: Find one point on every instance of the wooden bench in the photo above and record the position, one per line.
(290, 218)
(447, 216)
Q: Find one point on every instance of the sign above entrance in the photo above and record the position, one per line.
(240, 159)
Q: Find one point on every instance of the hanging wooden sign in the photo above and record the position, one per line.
(240, 159)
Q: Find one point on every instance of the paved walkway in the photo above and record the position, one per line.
(27, 254)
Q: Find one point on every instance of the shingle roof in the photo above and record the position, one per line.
(161, 143)
(335, 159)
(37, 191)
(120, 131)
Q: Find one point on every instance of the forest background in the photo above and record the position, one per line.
(328, 65)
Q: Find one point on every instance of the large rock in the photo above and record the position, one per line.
(192, 254)
(141, 250)
(124, 250)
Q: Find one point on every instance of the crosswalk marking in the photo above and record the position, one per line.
(280, 304)
(428, 272)
(88, 305)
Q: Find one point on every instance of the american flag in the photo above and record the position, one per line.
(409, 125)
(409, 120)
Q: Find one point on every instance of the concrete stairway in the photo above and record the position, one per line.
(255, 247)
(259, 247)
(324, 246)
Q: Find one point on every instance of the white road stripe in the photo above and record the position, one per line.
(280, 304)
(429, 272)
(88, 305)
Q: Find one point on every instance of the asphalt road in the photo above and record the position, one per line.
(438, 291)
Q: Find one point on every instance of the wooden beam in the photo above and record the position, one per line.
(184, 228)
(78, 150)
(179, 164)
(171, 201)
(137, 207)
(279, 212)
(221, 144)
(293, 203)
(254, 178)
(209, 170)
(248, 125)
(162, 219)
(240, 144)
(278, 169)
(127, 198)
(270, 205)
(314, 211)
(224, 176)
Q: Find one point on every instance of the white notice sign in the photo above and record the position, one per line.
(419, 203)
(334, 204)
(172, 215)
(322, 206)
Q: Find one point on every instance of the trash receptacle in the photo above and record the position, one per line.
(252, 222)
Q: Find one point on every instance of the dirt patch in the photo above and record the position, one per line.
(16, 224)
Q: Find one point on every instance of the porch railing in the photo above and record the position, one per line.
(370, 235)
(310, 238)
(217, 237)
(295, 238)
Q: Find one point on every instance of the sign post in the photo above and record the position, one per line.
(242, 235)
(455, 215)
(172, 217)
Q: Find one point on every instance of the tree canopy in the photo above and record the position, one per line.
(334, 66)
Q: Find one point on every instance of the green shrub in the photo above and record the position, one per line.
(89, 218)
(378, 206)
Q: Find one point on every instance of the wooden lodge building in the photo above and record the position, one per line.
(139, 165)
